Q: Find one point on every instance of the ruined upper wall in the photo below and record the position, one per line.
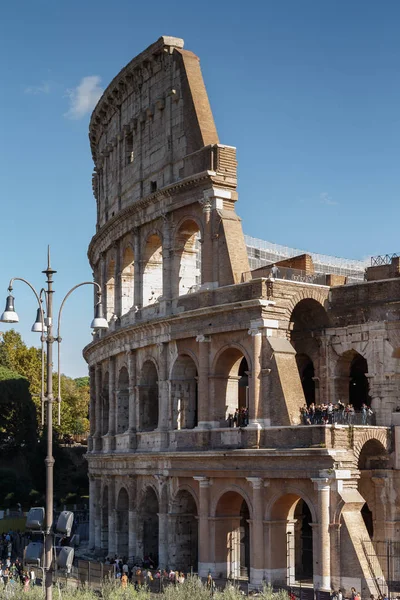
(152, 117)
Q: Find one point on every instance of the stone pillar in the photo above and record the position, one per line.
(112, 401)
(92, 407)
(118, 282)
(98, 410)
(207, 276)
(92, 511)
(137, 270)
(203, 526)
(163, 540)
(204, 417)
(163, 393)
(97, 514)
(112, 522)
(167, 254)
(255, 380)
(132, 519)
(132, 399)
(323, 487)
(257, 533)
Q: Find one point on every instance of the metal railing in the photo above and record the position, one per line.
(383, 259)
(288, 274)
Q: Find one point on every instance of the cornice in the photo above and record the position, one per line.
(155, 326)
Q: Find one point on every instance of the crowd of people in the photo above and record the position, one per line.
(240, 418)
(324, 414)
(143, 574)
(12, 571)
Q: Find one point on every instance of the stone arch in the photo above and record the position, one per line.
(152, 268)
(291, 520)
(187, 257)
(104, 518)
(123, 401)
(232, 534)
(227, 375)
(148, 396)
(127, 279)
(184, 392)
(122, 522)
(310, 293)
(105, 403)
(234, 489)
(110, 288)
(379, 435)
(148, 524)
(183, 541)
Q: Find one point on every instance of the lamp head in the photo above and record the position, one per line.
(9, 315)
(99, 322)
(37, 327)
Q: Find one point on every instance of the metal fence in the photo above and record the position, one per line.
(383, 259)
(384, 562)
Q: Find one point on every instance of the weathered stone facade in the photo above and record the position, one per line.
(191, 340)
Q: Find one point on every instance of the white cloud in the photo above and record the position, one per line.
(84, 97)
(35, 90)
(325, 198)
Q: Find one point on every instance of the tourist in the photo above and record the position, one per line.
(274, 271)
(124, 580)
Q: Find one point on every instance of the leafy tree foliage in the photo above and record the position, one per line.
(17, 411)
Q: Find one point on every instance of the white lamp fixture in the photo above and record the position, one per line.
(37, 327)
(9, 315)
(99, 322)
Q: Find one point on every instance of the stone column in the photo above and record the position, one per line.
(203, 393)
(98, 410)
(112, 401)
(132, 399)
(207, 276)
(137, 270)
(255, 380)
(323, 487)
(203, 526)
(118, 282)
(112, 523)
(97, 514)
(162, 540)
(132, 519)
(163, 393)
(92, 511)
(167, 254)
(257, 532)
(92, 408)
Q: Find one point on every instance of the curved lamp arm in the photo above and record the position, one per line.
(58, 338)
(42, 338)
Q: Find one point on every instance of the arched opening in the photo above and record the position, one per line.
(184, 393)
(358, 384)
(123, 401)
(306, 372)
(122, 524)
(366, 514)
(104, 519)
(373, 456)
(148, 526)
(152, 270)
(352, 386)
(110, 290)
(231, 388)
(183, 546)
(291, 523)
(188, 258)
(148, 397)
(105, 397)
(127, 280)
(232, 536)
(303, 562)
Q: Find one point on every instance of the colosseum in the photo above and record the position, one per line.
(202, 452)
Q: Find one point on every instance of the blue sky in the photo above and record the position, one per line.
(308, 91)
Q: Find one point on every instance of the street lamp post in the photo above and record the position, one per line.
(45, 327)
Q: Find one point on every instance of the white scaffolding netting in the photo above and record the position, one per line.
(261, 252)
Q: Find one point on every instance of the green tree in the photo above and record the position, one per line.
(17, 412)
